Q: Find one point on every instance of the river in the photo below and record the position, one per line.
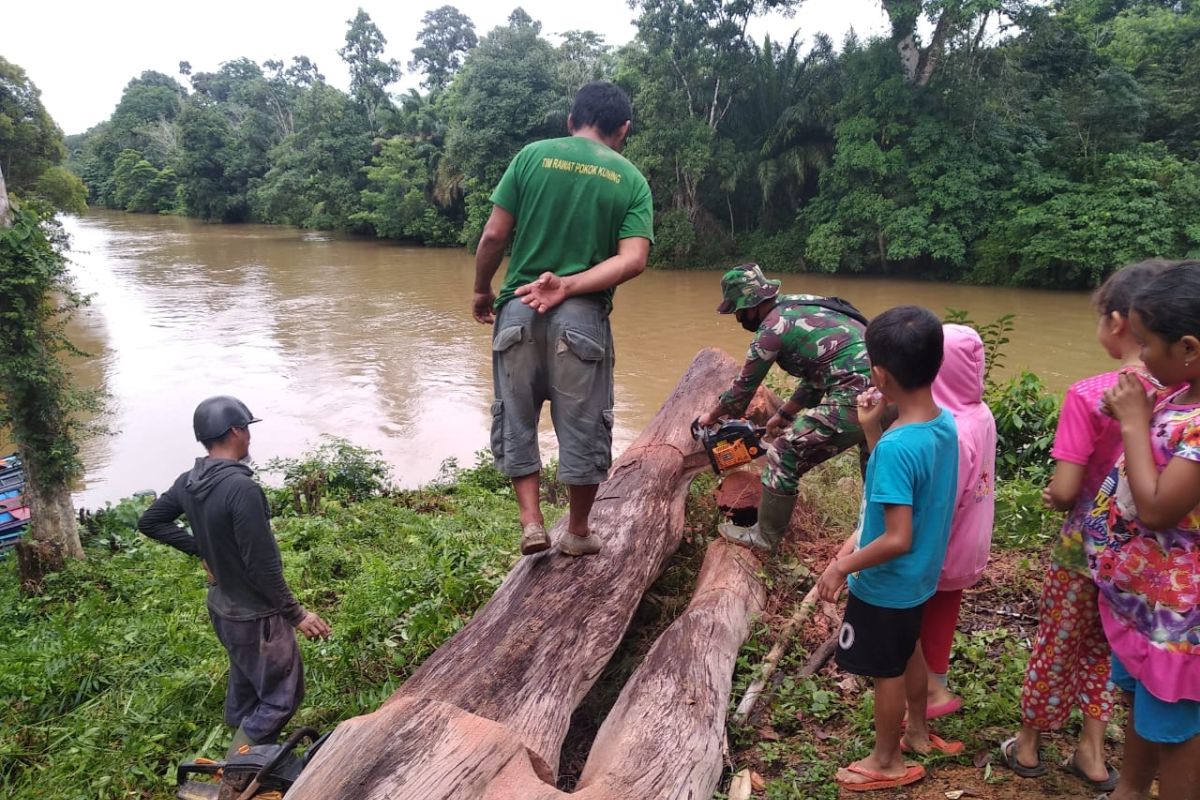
(374, 341)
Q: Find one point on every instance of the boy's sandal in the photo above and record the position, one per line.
(1106, 785)
(1008, 751)
(912, 774)
(937, 743)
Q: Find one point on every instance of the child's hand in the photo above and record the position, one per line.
(1128, 401)
(870, 407)
(832, 581)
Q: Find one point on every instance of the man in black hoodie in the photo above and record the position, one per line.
(251, 607)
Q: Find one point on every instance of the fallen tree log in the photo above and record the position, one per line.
(496, 699)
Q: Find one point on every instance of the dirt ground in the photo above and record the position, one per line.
(1008, 596)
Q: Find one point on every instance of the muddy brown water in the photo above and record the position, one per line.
(374, 341)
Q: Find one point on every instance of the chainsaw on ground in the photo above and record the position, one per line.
(262, 771)
(730, 444)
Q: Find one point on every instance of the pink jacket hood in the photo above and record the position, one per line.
(959, 389)
(959, 383)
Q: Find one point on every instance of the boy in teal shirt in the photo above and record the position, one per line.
(910, 488)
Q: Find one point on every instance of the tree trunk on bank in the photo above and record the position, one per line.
(51, 511)
(485, 716)
(52, 517)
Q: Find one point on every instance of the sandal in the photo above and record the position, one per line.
(1008, 752)
(534, 539)
(942, 709)
(936, 743)
(1106, 785)
(912, 774)
(571, 545)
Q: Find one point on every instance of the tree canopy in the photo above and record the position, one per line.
(1012, 143)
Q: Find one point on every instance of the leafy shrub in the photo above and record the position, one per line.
(115, 527)
(1022, 521)
(335, 469)
(1026, 416)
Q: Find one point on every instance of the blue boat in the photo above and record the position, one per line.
(14, 510)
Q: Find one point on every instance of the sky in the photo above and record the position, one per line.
(81, 53)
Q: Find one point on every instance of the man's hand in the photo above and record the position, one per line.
(709, 418)
(777, 424)
(481, 307)
(545, 293)
(212, 579)
(314, 627)
(832, 581)
(1128, 402)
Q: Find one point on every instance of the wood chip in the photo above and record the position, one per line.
(741, 787)
(757, 782)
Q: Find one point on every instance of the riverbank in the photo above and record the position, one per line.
(115, 675)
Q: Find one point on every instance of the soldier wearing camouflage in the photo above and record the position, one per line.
(825, 351)
(820, 346)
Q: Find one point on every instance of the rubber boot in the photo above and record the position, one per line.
(774, 514)
(240, 738)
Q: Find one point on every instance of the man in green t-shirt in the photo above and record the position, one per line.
(583, 222)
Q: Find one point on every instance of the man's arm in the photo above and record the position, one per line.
(763, 352)
(488, 256)
(549, 289)
(259, 552)
(159, 523)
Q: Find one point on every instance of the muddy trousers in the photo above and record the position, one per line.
(266, 677)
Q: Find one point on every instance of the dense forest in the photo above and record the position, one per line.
(994, 141)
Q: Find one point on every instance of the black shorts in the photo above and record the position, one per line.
(877, 642)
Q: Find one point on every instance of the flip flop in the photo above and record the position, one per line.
(942, 709)
(1008, 752)
(912, 774)
(936, 743)
(1106, 785)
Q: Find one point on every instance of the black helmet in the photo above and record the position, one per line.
(216, 415)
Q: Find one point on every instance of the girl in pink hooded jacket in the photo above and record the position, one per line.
(959, 389)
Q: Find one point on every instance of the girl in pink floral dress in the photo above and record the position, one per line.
(1143, 542)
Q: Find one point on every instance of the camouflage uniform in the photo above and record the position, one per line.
(821, 347)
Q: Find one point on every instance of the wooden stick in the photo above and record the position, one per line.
(771, 662)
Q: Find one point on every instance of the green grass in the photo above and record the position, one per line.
(113, 675)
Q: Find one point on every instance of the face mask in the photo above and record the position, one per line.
(749, 324)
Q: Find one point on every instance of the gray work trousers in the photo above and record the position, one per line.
(266, 677)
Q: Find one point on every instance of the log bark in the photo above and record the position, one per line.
(493, 704)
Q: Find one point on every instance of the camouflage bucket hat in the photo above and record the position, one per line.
(745, 286)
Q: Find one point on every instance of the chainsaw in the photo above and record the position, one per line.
(260, 771)
(730, 444)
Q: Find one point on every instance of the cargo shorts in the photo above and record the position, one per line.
(566, 357)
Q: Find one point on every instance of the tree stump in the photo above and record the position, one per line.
(34, 561)
(493, 704)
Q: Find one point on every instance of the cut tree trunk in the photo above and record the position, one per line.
(493, 704)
